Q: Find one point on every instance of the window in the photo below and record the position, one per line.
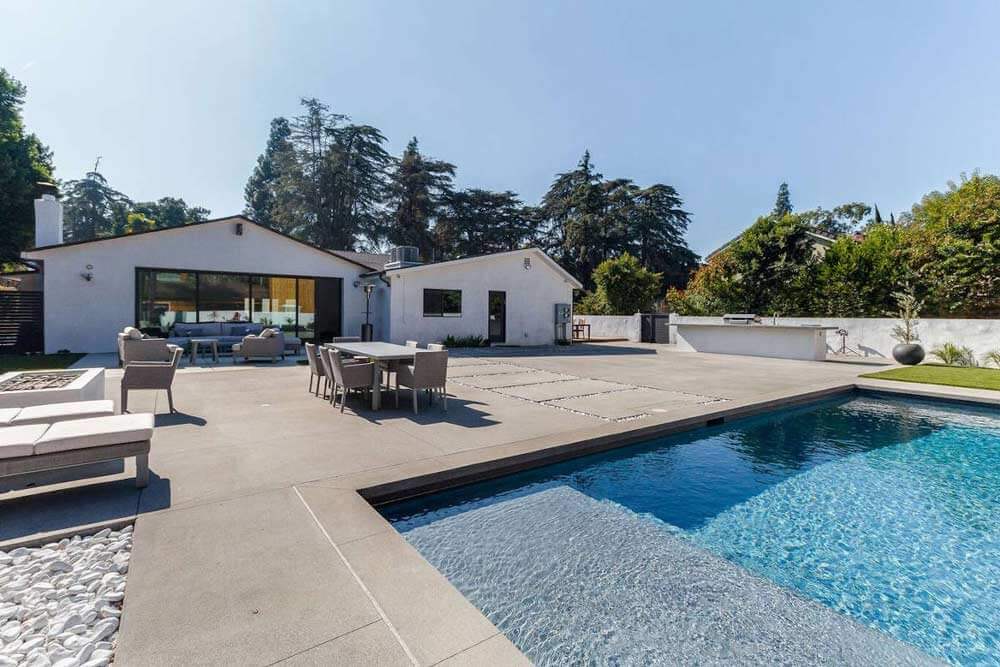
(442, 303)
(165, 297)
(223, 297)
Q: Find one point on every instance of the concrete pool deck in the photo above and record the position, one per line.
(253, 545)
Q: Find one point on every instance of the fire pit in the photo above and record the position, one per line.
(21, 389)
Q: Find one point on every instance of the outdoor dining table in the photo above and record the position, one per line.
(379, 353)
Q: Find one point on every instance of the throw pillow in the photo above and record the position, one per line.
(267, 333)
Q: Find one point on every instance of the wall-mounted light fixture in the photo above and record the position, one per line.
(88, 275)
(527, 264)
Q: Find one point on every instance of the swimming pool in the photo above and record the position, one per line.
(882, 510)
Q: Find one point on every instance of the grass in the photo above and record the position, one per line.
(34, 362)
(953, 376)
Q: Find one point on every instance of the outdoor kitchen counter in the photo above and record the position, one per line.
(758, 340)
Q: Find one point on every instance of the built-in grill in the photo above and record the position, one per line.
(35, 381)
(739, 318)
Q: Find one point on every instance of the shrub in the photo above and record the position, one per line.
(591, 303)
(625, 286)
(466, 341)
(992, 358)
(953, 355)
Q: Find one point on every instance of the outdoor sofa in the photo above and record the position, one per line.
(269, 343)
(37, 447)
(226, 333)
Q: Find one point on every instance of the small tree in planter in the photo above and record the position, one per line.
(908, 351)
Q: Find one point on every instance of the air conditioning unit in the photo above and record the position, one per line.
(403, 256)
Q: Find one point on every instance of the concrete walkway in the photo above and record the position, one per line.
(252, 545)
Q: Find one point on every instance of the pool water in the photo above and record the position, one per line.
(883, 510)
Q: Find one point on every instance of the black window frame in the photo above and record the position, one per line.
(437, 302)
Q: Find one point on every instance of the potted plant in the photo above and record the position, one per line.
(908, 351)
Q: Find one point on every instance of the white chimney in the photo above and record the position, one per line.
(48, 221)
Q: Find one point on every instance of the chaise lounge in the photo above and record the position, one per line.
(37, 447)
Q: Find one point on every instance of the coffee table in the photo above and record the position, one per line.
(213, 342)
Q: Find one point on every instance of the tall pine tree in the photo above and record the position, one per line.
(93, 209)
(475, 222)
(417, 188)
(783, 202)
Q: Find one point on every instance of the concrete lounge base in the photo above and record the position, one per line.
(778, 341)
(25, 465)
(87, 386)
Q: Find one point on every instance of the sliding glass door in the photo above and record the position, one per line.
(165, 297)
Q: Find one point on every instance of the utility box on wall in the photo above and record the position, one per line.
(564, 323)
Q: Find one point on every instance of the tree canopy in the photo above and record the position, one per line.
(946, 249)
(24, 161)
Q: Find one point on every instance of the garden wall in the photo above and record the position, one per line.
(871, 337)
(613, 326)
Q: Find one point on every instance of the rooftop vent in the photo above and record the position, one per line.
(403, 256)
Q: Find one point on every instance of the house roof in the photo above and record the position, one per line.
(364, 260)
(473, 258)
(817, 238)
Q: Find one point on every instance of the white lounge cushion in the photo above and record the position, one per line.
(7, 415)
(95, 432)
(54, 412)
(20, 440)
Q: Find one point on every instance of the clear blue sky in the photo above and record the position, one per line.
(844, 100)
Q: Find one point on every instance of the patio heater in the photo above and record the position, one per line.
(366, 328)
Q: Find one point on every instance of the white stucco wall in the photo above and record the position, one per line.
(871, 336)
(531, 298)
(84, 316)
(613, 326)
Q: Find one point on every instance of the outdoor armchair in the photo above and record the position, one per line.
(133, 347)
(270, 343)
(429, 371)
(151, 375)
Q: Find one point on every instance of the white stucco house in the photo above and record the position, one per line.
(234, 270)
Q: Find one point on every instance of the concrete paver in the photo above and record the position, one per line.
(247, 581)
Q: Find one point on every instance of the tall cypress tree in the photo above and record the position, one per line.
(782, 203)
(417, 188)
(261, 191)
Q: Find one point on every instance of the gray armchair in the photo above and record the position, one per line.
(132, 348)
(151, 375)
(429, 371)
(261, 346)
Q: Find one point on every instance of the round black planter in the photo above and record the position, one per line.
(908, 354)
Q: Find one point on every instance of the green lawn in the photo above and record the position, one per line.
(32, 362)
(953, 376)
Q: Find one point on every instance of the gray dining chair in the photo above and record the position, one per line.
(316, 370)
(429, 371)
(347, 377)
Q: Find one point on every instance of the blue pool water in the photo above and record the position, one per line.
(886, 511)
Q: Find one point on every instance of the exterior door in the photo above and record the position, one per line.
(328, 309)
(498, 317)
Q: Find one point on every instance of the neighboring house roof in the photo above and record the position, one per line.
(373, 260)
(364, 260)
(817, 239)
(473, 258)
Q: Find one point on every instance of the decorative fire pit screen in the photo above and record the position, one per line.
(34, 381)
